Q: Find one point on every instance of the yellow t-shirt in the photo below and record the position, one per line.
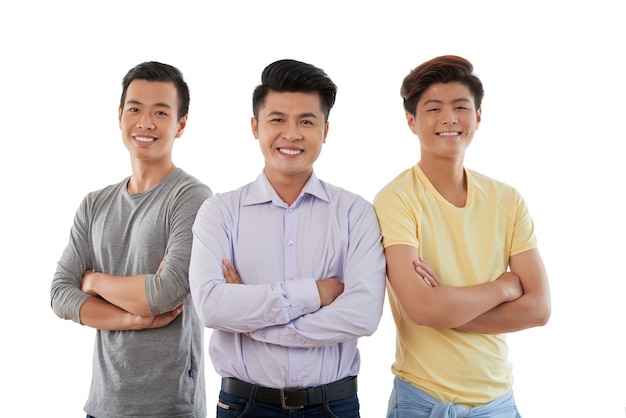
(464, 246)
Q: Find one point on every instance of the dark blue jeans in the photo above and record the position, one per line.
(230, 406)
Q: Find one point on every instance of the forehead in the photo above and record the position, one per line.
(447, 92)
(151, 93)
(291, 102)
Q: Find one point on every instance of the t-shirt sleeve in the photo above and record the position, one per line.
(398, 218)
(524, 228)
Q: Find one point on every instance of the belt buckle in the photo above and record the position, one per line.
(283, 398)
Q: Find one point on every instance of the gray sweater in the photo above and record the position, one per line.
(148, 373)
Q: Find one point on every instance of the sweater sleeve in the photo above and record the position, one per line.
(170, 288)
(65, 294)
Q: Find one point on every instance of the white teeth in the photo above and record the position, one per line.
(289, 151)
(449, 133)
(143, 139)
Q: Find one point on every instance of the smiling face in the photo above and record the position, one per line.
(445, 120)
(149, 121)
(291, 129)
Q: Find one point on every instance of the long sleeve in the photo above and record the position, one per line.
(168, 289)
(271, 329)
(238, 308)
(357, 311)
(65, 294)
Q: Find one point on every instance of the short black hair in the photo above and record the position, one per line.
(157, 71)
(289, 75)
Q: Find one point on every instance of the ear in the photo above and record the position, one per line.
(410, 120)
(255, 127)
(119, 116)
(479, 114)
(325, 133)
(181, 126)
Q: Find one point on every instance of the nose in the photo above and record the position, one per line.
(145, 121)
(448, 117)
(292, 132)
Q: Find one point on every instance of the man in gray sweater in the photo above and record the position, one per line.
(124, 271)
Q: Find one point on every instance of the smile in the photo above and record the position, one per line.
(449, 133)
(144, 139)
(290, 151)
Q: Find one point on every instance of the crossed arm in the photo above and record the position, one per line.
(120, 303)
(328, 289)
(518, 299)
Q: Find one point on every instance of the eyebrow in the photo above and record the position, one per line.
(301, 115)
(137, 102)
(463, 99)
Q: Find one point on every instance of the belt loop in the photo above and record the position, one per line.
(253, 392)
(325, 394)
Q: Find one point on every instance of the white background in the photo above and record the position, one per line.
(553, 126)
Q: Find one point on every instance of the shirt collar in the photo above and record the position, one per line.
(261, 191)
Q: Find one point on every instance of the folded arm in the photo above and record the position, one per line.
(125, 292)
(356, 312)
(443, 306)
(530, 310)
(98, 313)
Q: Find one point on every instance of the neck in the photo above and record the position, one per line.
(288, 187)
(448, 177)
(146, 176)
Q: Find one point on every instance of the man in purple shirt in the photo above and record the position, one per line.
(288, 270)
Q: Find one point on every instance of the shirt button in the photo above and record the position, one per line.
(290, 276)
(290, 210)
(306, 310)
(272, 321)
(263, 336)
(290, 242)
(294, 379)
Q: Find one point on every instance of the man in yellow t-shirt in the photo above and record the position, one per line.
(463, 266)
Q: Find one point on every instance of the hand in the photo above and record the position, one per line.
(512, 286)
(158, 321)
(86, 283)
(329, 290)
(426, 272)
(230, 274)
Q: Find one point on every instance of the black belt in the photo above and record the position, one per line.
(291, 397)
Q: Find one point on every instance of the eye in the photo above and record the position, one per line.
(461, 108)
(276, 120)
(160, 113)
(306, 122)
(133, 110)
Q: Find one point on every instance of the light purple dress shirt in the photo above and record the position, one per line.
(279, 252)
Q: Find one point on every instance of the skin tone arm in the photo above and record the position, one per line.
(530, 310)
(98, 313)
(127, 292)
(120, 303)
(429, 304)
(328, 289)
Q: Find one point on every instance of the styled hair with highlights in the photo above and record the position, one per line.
(443, 69)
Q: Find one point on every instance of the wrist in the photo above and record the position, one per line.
(134, 322)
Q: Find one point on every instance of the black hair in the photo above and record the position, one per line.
(156, 71)
(289, 75)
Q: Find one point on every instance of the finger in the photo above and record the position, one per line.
(425, 270)
(427, 281)
(230, 274)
